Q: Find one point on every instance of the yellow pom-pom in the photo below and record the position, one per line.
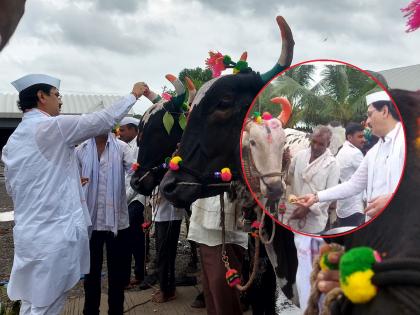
(225, 170)
(176, 159)
(358, 286)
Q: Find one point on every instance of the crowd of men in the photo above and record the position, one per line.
(69, 179)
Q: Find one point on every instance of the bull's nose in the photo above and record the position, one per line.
(168, 187)
(275, 190)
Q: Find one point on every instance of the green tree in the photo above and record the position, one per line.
(198, 75)
(338, 96)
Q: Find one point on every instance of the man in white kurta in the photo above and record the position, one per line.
(51, 219)
(381, 169)
(350, 210)
(311, 170)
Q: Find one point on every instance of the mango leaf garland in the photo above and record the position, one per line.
(168, 122)
(182, 121)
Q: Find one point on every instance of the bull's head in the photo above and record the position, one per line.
(263, 143)
(159, 135)
(211, 139)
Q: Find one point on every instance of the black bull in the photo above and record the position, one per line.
(211, 142)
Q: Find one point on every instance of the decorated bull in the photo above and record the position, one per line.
(208, 161)
(160, 130)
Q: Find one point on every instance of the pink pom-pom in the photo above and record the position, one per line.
(173, 166)
(166, 96)
(135, 166)
(233, 278)
(226, 177)
(267, 116)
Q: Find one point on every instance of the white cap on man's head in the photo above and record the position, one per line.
(377, 96)
(129, 120)
(32, 79)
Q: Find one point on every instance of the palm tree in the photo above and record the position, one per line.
(338, 96)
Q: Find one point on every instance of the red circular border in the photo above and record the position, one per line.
(242, 164)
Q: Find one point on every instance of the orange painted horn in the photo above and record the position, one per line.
(286, 107)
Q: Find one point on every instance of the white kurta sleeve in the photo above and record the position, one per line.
(8, 186)
(76, 129)
(355, 185)
(333, 177)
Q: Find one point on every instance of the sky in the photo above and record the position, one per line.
(105, 46)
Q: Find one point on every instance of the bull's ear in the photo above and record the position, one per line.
(286, 56)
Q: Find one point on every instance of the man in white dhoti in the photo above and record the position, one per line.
(310, 170)
(381, 169)
(51, 218)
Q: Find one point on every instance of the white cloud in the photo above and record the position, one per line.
(106, 46)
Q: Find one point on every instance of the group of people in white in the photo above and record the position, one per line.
(69, 177)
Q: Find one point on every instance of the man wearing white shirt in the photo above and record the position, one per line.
(381, 169)
(104, 161)
(51, 218)
(136, 202)
(350, 156)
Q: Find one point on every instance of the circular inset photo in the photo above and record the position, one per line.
(323, 148)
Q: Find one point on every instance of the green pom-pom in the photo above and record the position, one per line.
(356, 259)
(227, 60)
(241, 65)
(326, 264)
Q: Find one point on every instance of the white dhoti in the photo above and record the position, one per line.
(53, 309)
(307, 247)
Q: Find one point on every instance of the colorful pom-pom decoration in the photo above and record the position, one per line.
(233, 278)
(174, 163)
(146, 225)
(356, 274)
(135, 166)
(226, 175)
(282, 208)
(267, 116)
(255, 227)
(325, 264)
(166, 96)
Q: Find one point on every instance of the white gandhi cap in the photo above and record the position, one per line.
(377, 96)
(32, 79)
(129, 120)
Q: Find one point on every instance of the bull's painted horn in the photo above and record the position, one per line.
(286, 55)
(179, 89)
(244, 56)
(286, 109)
(191, 90)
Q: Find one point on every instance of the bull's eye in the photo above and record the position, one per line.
(252, 142)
